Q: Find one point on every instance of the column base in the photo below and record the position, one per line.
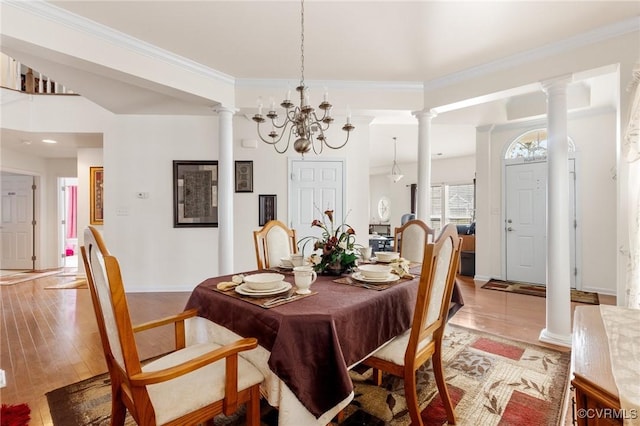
(555, 339)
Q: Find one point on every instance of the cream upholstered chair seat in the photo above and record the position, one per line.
(395, 350)
(196, 389)
(410, 239)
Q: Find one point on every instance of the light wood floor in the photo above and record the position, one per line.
(49, 338)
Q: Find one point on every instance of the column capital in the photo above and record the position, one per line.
(425, 113)
(555, 83)
(222, 108)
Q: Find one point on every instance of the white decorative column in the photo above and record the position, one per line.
(225, 190)
(558, 326)
(424, 165)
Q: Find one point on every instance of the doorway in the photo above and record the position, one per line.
(67, 218)
(315, 186)
(18, 221)
(525, 221)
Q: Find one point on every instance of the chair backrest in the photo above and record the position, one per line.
(110, 305)
(274, 241)
(434, 293)
(410, 239)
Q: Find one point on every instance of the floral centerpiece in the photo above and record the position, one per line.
(336, 246)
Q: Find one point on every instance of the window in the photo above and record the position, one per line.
(452, 204)
(532, 145)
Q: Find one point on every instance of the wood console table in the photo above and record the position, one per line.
(596, 393)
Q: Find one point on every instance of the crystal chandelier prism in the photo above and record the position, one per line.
(300, 122)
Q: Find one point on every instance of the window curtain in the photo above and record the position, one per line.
(72, 211)
(632, 154)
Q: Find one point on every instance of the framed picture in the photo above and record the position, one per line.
(96, 196)
(244, 176)
(267, 208)
(195, 194)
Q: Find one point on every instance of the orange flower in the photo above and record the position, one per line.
(329, 214)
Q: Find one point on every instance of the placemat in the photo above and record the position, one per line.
(371, 286)
(260, 301)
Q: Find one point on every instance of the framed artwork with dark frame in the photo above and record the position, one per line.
(96, 195)
(267, 208)
(244, 176)
(195, 194)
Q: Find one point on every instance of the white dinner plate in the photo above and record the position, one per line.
(244, 290)
(388, 279)
(286, 268)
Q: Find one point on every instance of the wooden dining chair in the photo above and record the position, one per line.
(274, 241)
(403, 355)
(410, 239)
(188, 386)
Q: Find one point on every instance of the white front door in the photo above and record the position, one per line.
(315, 186)
(525, 222)
(16, 238)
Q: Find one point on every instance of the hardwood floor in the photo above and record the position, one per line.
(49, 338)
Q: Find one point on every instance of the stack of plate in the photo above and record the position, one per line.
(374, 274)
(245, 290)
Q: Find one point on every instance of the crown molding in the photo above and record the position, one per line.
(395, 86)
(600, 34)
(60, 16)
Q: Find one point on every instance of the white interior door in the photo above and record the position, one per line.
(16, 238)
(315, 186)
(526, 211)
(526, 189)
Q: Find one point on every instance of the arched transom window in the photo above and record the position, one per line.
(532, 145)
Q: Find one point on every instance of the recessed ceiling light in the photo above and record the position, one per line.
(26, 142)
(49, 141)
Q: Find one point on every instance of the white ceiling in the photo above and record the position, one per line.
(365, 41)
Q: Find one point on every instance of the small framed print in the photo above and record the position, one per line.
(267, 208)
(244, 176)
(96, 195)
(195, 194)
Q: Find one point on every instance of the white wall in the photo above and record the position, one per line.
(595, 138)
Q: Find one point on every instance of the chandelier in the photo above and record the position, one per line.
(301, 122)
(396, 173)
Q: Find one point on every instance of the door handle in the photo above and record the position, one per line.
(509, 229)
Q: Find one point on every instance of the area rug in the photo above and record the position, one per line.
(540, 290)
(75, 284)
(15, 415)
(492, 381)
(22, 276)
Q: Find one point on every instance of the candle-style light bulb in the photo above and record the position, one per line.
(260, 105)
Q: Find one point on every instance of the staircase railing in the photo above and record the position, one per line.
(17, 76)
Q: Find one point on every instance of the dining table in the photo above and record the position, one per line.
(308, 343)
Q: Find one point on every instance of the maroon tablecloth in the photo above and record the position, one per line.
(313, 340)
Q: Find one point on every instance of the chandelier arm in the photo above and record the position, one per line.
(313, 144)
(275, 124)
(288, 142)
(270, 142)
(326, 142)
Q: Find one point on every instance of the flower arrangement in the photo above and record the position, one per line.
(337, 245)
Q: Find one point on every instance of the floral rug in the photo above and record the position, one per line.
(492, 381)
